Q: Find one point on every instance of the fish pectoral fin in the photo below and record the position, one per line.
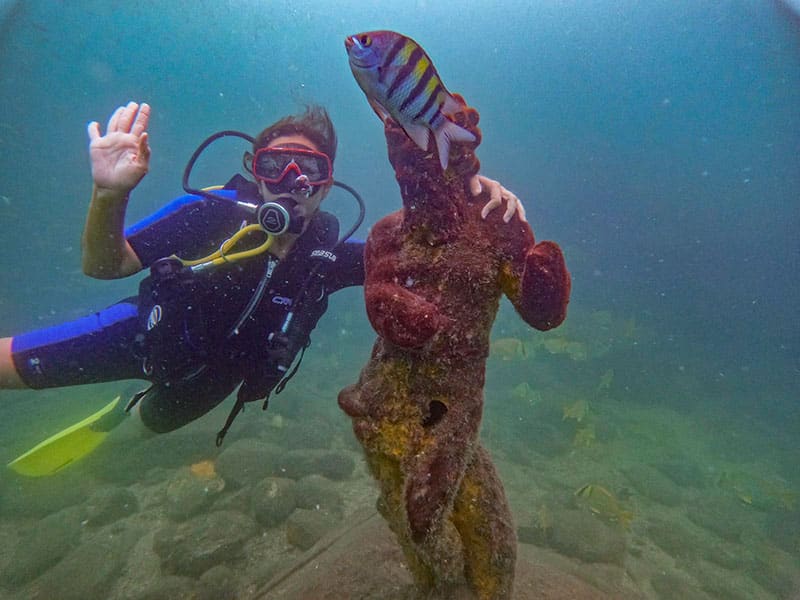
(450, 132)
(418, 133)
(382, 113)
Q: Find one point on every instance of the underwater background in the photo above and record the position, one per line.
(658, 142)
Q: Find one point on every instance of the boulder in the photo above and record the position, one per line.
(273, 500)
(305, 527)
(109, 504)
(193, 547)
(579, 534)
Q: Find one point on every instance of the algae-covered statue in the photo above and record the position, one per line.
(435, 273)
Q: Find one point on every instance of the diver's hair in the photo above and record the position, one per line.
(314, 123)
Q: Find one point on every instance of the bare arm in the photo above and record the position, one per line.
(106, 252)
(120, 159)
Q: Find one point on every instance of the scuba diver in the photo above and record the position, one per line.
(210, 317)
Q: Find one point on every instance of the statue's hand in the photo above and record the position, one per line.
(545, 288)
(462, 154)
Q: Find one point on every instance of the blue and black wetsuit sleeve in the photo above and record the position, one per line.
(190, 227)
(349, 267)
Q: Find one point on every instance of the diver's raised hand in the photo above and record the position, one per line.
(497, 195)
(121, 157)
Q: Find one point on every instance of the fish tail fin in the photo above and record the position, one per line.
(452, 105)
(450, 132)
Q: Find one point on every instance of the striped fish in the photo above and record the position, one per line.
(400, 81)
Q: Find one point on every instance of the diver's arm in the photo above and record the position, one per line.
(348, 270)
(120, 158)
(9, 376)
(106, 254)
(497, 195)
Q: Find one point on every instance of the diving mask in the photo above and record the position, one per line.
(292, 170)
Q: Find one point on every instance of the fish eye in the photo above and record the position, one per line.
(365, 40)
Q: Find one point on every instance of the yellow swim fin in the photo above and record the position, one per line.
(69, 445)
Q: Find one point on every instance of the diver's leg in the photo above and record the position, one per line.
(97, 348)
(93, 349)
(166, 407)
(483, 519)
(9, 377)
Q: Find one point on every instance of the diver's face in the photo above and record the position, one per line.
(307, 206)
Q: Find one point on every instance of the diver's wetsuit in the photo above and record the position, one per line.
(197, 361)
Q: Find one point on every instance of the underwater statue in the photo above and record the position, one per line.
(435, 273)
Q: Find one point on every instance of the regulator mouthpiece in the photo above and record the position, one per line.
(278, 216)
(301, 185)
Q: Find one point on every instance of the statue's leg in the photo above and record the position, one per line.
(432, 476)
(391, 506)
(483, 519)
(418, 458)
